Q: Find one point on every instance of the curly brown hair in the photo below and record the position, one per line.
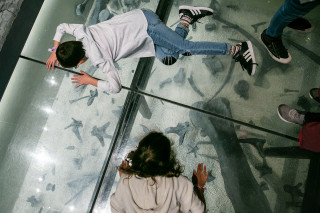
(154, 156)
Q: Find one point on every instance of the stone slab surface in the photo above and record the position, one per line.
(8, 12)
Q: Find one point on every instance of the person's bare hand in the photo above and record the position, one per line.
(124, 164)
(52, 60)
(201, 175)
(83, 79)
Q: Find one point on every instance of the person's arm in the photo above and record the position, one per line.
(112, 83)
(53, 58)
(199, 179)
(84, 80)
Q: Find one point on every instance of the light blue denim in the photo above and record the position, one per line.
(172, 43)
(289, 11)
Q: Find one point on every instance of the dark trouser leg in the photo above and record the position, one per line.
(311, 117)
(289, 11)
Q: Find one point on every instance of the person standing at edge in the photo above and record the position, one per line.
(289, 14)
(309, 137)
(138, 33)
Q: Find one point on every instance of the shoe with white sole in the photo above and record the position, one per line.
(246, 57)
(275, 48)
(194, 13)
(290, 115)
(315, 94)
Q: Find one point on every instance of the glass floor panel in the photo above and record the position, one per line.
(58, 137)
(244, 174)
(61, 145)
(253, 99)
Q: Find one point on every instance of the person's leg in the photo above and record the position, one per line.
(291, 115)
(311, 117)
(271, 37)
(288, 12)
(165, 38)
(165, 55)
(301, 25)
(182, 30)
(168, 56)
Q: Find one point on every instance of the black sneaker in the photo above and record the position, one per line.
(246, 57)
(195, 13)
(302, 25)
(275, 48)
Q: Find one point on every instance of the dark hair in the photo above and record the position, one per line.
(70, 53)
(153, 157)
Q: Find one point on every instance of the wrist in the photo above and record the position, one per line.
(94, 82)
(52, 49)
(200, 187)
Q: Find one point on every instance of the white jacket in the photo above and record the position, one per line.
(123, 36)
(167, 195)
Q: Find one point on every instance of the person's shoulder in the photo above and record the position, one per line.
(125, 176)
(132, 177)
(135, 12)
(181, 180)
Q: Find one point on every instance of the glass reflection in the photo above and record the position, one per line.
(42, 157)
(47, 109)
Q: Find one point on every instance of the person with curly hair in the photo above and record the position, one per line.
(151, 180)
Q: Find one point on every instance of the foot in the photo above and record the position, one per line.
(301, 25)
(315, 94)
(275, 48)
(246, 57)
(290, 115)
(194, 13)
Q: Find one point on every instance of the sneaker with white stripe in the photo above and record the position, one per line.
(246, 57)
(195, 13)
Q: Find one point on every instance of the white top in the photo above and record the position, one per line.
(168, 195)
(122, 36)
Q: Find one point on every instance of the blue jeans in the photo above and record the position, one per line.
(289, 11)
(169, 43)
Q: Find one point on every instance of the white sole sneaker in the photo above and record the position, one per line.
(254, 65)
(314, 98)
(282, 117)
(194, 10)
(290, 109)
(246, 57)
(280, 60)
